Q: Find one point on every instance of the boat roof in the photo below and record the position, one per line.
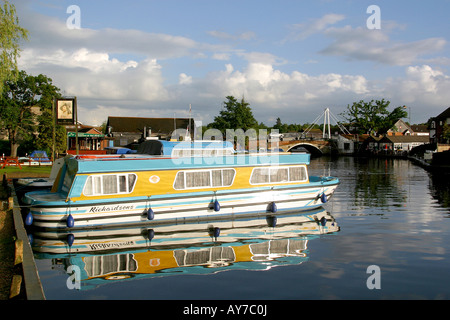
(157, 147)
(137, 162)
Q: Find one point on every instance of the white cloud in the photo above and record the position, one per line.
(248, 35)
(184, 79)
(268, 88)
(221, 56)
(81, 58)
(52, 34)
(363, 44)
(375, 45)
(314, 26)
(423, 87)
(97, 76)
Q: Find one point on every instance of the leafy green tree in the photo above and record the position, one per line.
(372, 117)
(10, 35)
(446, 132)
(282, 127)
(44, 137)
(20, 104)
(234, 115)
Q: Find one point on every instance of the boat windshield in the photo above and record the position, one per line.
(69, 175)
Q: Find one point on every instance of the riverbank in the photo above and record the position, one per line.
(12, 278)
(7, 247)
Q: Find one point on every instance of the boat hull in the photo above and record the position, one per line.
(186, 207)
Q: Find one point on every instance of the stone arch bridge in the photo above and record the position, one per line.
(314, 147)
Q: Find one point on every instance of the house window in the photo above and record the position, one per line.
(204, 179)
(278, 175)
(109, 184)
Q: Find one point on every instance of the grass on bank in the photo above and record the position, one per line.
(13, 172)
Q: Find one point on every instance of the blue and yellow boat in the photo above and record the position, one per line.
(118, 190)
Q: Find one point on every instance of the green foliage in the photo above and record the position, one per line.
(372, 117)
(18, 118)
(44, 139)
(446, 132)
(10, 35)
(284, 127)
(234, 115)
(366, 117)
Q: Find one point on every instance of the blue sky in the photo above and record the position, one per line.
(289, 59)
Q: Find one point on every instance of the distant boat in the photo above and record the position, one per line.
(105, 191)
(36, 158)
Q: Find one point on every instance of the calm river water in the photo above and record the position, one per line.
(387, 236)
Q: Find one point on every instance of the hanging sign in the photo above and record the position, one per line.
(66, 109)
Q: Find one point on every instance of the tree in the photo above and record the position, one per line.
(10, 35)
(446, 132)
(17, 116)
(282, 128)
(234, 115)
(372, 117)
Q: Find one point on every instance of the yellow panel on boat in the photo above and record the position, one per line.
(150, 183)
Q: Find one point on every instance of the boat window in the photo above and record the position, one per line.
(67, 182)
(97, 184)
(260, 175)
(297, 174)
(227, 177)
(96, 266)
(204, 179)
(198, 179)
(216, 178)
(131, 181)
(179, 181)
(123, 186)
(109, 184)
(278, 175)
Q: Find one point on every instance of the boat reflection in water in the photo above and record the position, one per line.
(251, 243)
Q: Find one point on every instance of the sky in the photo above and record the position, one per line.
(287, 58)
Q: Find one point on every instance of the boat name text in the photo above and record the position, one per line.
(102, 246)
(111, 208)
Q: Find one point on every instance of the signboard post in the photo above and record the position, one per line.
(66, 114)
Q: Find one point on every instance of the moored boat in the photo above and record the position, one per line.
(106, 191)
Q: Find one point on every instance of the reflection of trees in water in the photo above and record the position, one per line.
(380, 182)
(440, 188)
(367, 182)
